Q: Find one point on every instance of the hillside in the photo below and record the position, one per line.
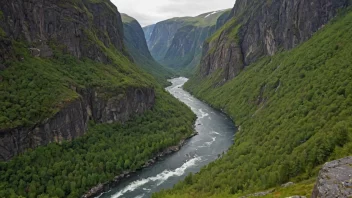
(75, 109)
(293, 109)
(254, 30)
(136, 45)
(148, 30)
(177, 43)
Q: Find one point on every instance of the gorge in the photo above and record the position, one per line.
(83, 101)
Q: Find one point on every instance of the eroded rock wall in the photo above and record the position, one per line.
(264, 28)
(72, 121)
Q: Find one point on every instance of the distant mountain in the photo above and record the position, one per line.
(177, 42)
(148, 30)
(136, 44)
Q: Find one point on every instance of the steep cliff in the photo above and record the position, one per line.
(136, 44)
(186, 47)
(64, 63)
(177, 43)
(263, 28)
(148, 31)
(161, 38)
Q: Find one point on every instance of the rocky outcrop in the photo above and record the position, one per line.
(334, 179)
(222, 54)
(71, 121)
(68, 24)
(263, 28)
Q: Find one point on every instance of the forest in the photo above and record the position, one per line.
(294, 114)
(70, 169)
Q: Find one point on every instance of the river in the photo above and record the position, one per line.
(216, 133)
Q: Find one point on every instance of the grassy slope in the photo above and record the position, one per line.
(144, 60)
(294, 111)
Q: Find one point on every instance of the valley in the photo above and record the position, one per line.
(215, 135)
(93, 102)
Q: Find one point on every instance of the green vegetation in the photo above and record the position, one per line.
(294, 112)
(72, 168)
(34, 89)
(136, 45)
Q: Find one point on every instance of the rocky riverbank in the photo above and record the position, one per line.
(101, 188)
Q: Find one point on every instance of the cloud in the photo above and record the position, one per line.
(149, 12)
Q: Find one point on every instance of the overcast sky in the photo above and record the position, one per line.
(148, 12)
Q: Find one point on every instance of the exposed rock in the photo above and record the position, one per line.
(148, 31)
(35, 52)
(45, 51)
(136, 45)
(264, 28)
(134, 37)
(38, 22)
(178, 42)
(71, 121)
(79, 28)
(287, 184)
(260, 194)
(162, 37)
(334, 180)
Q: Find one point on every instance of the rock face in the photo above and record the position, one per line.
(187, 45)
(178, 43)
(263, 28)
(134, 37)
(39, 22)
(162, 37)
(334, 180)
(148, 31)
(71, 121)
(136, 45)
(69, 25)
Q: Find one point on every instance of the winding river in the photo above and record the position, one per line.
(216, 132)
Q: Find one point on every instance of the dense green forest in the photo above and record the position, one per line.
(294, 112)
(71, 168)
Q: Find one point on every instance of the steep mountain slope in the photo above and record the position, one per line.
(293, 109)
(64, 64)
(137, 46)
(148, 31)
(263, 28)
(177, 43)
(75, 111)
